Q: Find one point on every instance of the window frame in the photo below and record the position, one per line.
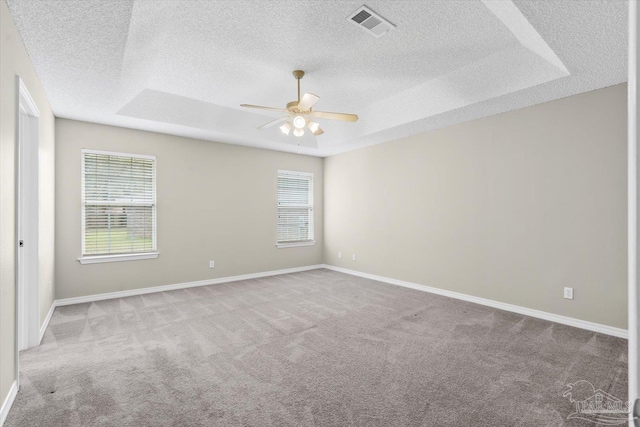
(94, 259)
(311, 241)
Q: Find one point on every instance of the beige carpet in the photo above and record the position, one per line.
(317, 348)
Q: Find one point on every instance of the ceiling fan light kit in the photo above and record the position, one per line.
(299, 112)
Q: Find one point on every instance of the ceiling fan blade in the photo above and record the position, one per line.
(281, 110)
(318, 131)
(334, 116)
(274, 122)
(307, 101)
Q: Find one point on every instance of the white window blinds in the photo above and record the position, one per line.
(118, 203)
(295, 207)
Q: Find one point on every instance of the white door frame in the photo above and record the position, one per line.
(27, 218)
(633, 150)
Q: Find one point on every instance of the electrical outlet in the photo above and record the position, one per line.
(339, 254)
(568, 293)
(212, 264)
(353, 257)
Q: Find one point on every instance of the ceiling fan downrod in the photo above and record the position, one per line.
(298, 74)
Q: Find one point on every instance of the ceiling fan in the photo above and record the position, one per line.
(299, 113)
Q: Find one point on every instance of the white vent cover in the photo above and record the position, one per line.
(370, 21)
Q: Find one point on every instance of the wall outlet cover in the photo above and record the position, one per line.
(212, 264)
(568, 293)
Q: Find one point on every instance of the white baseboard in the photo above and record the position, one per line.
(45, 324)
(570, 321)
(6, 405)
(142, 291)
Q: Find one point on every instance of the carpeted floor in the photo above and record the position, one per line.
(317, 348)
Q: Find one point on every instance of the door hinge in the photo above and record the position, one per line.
(636, 413)
(21, 243)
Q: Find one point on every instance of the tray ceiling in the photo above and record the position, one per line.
(184, 67)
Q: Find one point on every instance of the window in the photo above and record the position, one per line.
(295, 209)
(118, 207)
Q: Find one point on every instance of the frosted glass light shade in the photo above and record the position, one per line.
(299, 122)
(286, 128)
(313, 126)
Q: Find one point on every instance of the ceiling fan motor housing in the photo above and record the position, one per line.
(292, 107)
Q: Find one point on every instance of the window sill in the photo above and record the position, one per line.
(295, 244)
(115, 258)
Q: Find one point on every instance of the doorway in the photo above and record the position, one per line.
(27, 218)
(633, 171)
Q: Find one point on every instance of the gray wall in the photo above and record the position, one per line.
(15, 61)
(511, 207)
(214, 202)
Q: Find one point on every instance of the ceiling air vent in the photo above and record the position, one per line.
(370, 21)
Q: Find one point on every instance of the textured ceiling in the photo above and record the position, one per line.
(184, 67)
